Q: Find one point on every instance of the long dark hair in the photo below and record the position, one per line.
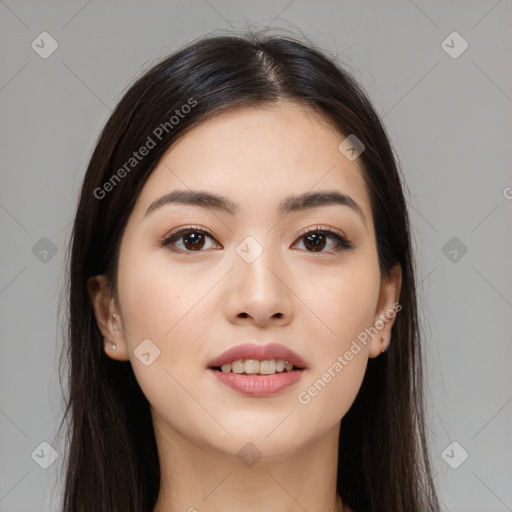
(112, 464)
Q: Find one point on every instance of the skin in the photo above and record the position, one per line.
(191, 306)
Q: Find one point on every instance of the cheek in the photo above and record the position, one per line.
(157, 300)
(163, 316)
(346, 303)
(327, 397)
(164, 306)
(347, 307)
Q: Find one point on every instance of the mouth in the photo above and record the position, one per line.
(255, 367)
(258, 370)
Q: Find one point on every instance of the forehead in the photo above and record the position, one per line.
(256, 156)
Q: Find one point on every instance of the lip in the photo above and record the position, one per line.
(258, 385)
(259, 352)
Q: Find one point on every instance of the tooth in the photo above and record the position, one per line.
(254, 366)
(251, 366)
(268, 367)
(237, 366)
(226, 367)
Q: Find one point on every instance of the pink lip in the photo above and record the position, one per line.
(259, 352)
(258, 385)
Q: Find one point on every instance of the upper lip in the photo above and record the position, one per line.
(259, 352)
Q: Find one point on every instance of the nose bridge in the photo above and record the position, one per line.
(254, 265)
(258, 281)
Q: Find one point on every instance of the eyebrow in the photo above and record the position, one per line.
(290, 204)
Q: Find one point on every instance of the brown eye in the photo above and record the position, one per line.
(194, 241)
(191, 239)
(316, 240)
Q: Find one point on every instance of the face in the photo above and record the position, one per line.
(197, 280)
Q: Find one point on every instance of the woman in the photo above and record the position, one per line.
(243, 327)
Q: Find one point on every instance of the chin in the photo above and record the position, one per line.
(272, 437)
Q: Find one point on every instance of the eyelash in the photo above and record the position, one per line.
(341, 241)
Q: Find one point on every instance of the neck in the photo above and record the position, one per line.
(201, 478)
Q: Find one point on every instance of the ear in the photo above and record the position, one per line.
(108, 318)
(387, 309)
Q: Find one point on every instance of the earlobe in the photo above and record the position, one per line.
(387, 309)
(116, 349)
(107, 319)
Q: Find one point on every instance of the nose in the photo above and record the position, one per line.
(260, 292)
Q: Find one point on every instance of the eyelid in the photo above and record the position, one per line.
(320, 227)
(189, 227)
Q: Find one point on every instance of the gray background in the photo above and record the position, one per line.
(450, 122)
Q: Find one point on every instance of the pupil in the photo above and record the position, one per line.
(316, 244)
(196, 241)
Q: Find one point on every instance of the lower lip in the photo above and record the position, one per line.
(258, 385)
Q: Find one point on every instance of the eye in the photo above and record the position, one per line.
(192, 238)
(315, 240)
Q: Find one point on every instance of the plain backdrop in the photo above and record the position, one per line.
(447, 109)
